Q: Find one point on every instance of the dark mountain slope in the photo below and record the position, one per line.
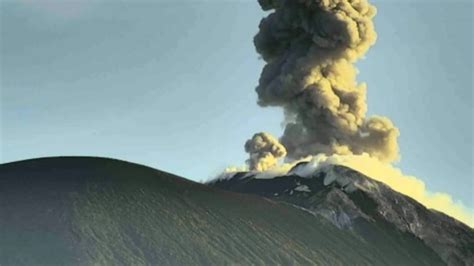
(84, 211)
(366, 207)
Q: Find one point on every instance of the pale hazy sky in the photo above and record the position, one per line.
(170, 84)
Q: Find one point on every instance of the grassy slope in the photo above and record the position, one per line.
(78, 210)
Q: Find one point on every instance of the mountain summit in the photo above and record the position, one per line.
(356, 203)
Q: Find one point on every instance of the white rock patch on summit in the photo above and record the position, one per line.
(303, 188)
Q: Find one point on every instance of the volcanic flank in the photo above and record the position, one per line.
(94, 211)
(360, 205)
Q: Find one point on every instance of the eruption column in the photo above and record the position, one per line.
(310, 48)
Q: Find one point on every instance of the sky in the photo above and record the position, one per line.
(170, 84)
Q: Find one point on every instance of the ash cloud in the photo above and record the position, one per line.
(265, 151)
(310, 48)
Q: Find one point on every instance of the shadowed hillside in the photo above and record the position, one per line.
(84, 211)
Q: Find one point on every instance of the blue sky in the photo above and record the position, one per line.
(171, 84)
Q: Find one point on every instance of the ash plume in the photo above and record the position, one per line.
(310, 48)
(265, 151)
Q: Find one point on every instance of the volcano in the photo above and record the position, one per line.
(370, 209)
(98, 211)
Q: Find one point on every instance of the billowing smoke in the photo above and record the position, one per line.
(264, 150)
(310, 48)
